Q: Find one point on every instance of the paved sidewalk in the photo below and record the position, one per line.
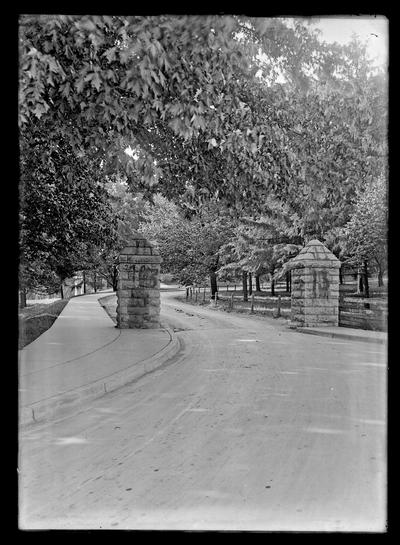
(347, 333)
(82, 356)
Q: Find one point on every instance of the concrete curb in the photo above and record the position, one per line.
(60, 406)
(340, 335)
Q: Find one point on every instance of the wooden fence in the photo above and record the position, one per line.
(362, 313)
(356, 312)
(230, 298)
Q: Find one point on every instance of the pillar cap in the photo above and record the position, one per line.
(314, 254)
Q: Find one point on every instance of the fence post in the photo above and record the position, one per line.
(215, 298)
(232, 299)
(204, 295)
(279, 306)
(235, 287)
(227, 288)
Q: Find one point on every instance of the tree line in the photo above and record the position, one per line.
(248, 136)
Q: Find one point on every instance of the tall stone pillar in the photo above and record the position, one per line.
(315, 286)
(138, 290)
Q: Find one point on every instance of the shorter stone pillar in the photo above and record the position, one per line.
(139, 286)
(315, 287)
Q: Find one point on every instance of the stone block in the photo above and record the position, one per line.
(124, 293)
(125, 284)
(134, 311)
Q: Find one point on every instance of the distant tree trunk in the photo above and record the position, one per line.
(22, 300)
(244, 282)
(95, 281)
(84, 281)
(288, 282)
(272, 284)
(258, 287)
(365, 279)
(213, 284)
(115, 278)
(380, 274)
(360, 281)
(250, 283)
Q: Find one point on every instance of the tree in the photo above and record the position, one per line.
(64, 211)
(190, 93)
(189, 247)
(365, 235)
(261, 246)
(128, 212)
(199, 102)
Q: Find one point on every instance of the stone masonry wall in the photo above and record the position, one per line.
(315, 296)
(139, 286)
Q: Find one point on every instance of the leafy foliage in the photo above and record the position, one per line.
(189, 247)
(365, 235)
(190, 93)
(237, 112)
(64, 211)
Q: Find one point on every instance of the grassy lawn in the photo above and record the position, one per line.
(109, 303)
(36, 319)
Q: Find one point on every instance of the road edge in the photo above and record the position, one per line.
(341, 335)
(61, 405)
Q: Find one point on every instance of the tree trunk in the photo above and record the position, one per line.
(340, 276)
(84, 281)
(22, 301)
(250, 283)
(360, 281)
(213, 283)
(365, 279)
(61, 291)
(380, 276)
(272, 286)
(115, 279)
(244, 282)
(258, 287)
(288, 282)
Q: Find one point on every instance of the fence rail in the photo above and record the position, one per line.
(278, 305)
(363, 313)
(355, 312)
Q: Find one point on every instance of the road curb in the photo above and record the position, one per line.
(61, 405)
(344, 336)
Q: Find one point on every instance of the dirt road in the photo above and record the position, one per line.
(251, 427)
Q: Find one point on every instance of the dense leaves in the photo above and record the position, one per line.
(365, 235)
(191, 94)
(235, 111)
(189, 247)
(65, 215)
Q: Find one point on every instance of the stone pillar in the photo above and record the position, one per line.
(139, 286)
(315, 287)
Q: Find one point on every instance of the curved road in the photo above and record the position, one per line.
(250, 427)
